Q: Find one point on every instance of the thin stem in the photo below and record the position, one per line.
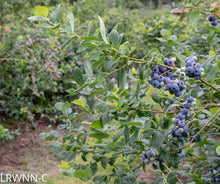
(205, 125)
(208, 84)
(205, 107)
(169, 170)
(114, 71)
(208, 13)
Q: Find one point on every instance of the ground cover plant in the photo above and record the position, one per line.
(125, 98)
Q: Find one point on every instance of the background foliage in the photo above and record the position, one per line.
(90, 69)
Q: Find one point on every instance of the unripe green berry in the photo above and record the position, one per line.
(174, 59)
(167, 103)
(178, 71)
(183, 69)
(180, 130)
(161, 84)
(194, 57)
(202, 74)
(193, 104)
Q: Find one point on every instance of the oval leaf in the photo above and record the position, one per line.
(41, 11)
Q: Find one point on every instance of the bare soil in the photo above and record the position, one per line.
(27, 153)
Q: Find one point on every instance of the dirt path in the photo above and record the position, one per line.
(27, 153)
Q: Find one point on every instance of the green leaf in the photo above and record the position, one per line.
(213, 110)
(171, 178)
(41, 11)
(55, 14)
(111, 84)
(126, 135)
(121, 101)
(59, 106)
(64, 165)
(114, 38)
(218, 150)
(38, 18)
(99, 135)
(77, 76)
(70, 23)
(48, 26)
(212, 28)
(210, 72)
(67, 42)
(96, 124)
(80, 174)
(132, 124)
(165, 33)
(81, 102)
(102, 28)
(65, 107)
(158, 139)
(94, 168)
(193, 19)
(121, 78)
(88, 68)
(104, 162)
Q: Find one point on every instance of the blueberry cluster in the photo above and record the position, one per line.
(213, 176)
(197, 139)
(161, 76)
(180, 128)
(193, 69)
(146, 155)
(213, 20)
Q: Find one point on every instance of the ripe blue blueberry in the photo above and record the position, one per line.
(180, 139)
(184, 111)
(211, 18)
(168, 87)
(177, 133)
(169, 75)
(165, 61)
(160, 78)
(162, 69)
(180, 84)
(175, 87)
(167, 80)
(155, 83)
(155, 69)
(185, 129)
(187, 105)
(178, 93)
(155, 76)
(181, 124)
(180, 116)
(189, 70)
(197, 77)
(149, 153)
(174, 129)
(190, 99)
(197, 71)
(214, 23)
(170, 62)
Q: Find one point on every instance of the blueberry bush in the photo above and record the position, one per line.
(127, 91)
(128, 111)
